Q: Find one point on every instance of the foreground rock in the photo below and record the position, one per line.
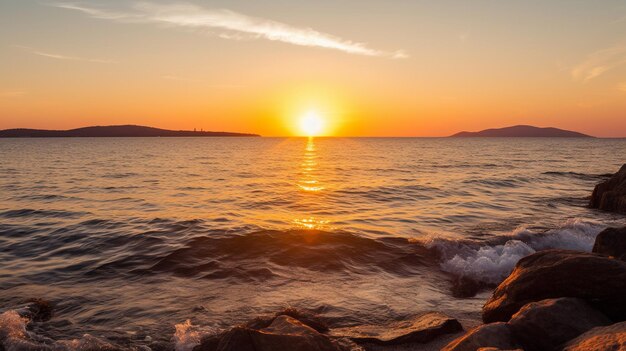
(283, 334)
(488, 336)
(611, 242)
(611, 194)
(599, 280)
(612, 337)
(546, 324)
(421, 329)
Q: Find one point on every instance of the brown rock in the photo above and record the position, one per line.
(612, 337)
(495, 335)
(560, 273)
(610, 195)
(421, 329)
(611, 242)
(284, 334)
(546, 324)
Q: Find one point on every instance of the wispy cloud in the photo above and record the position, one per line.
(63, 57)
(599, 63)
(232, 25)
(204, 82)
(622, 87)
(12, 94)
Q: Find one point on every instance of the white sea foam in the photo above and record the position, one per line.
(15, 337)
(492, 263)
(188, 335)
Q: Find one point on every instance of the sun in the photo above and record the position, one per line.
(311, 124)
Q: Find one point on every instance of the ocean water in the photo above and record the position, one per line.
(141, 239)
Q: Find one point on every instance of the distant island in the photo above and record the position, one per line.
(523, 131)
(114, 131)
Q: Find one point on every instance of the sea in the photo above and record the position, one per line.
(139, 240)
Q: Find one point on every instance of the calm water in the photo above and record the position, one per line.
(129, 237)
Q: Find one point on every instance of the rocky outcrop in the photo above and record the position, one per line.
(612, 337)
(546, 324)
(611, 242)
(421, 329)
(599, 280)
(495, 335)
(610, 195)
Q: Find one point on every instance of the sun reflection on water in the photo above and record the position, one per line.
(308, 181)
(309, 184)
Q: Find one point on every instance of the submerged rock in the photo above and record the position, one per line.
(488, 336)
(38, 310)
(599, 280)
(612, 337)
(464, 287)
(610, 195)
(611, 242)
(421, 329)
(546, 324)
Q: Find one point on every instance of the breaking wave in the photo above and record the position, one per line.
(492, 262)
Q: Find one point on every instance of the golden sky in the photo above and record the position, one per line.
(368, 68)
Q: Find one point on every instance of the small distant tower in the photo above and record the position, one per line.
(194, 129)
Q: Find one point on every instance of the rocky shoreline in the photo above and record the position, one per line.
(553, 300)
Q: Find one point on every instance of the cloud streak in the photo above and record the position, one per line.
(233, 25)
(599, 63)
(12, 94)
(63, 57)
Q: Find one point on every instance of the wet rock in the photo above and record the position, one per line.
(494, 335)
(283, 334)
(37, 310)
(421, 329)
(464, 287)
(599, 280)
(610, 195)
(546, 324)
(207, 343)
(304, 317)
(611, 242)
(612, 337)
(162, 346)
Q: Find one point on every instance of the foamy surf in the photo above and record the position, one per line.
(493, 262)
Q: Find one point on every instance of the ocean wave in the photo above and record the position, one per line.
(577, 175)
(28, 212)
(493, 261)
(264, 255)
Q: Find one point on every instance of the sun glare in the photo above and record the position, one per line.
(311, 124)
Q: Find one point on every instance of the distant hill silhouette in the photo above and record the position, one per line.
(523, 131)
(113, 131)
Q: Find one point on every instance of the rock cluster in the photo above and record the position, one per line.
(611, 194)
(558, 300)
(295, 331)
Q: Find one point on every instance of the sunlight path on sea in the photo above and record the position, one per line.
(308, 182)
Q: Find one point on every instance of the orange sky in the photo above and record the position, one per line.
(370, 68)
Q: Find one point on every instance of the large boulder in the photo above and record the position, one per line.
(612, 337)
(611, 242)
(561, 273)
(283, 334)
(494, 335)
(421, 329)
(546, 324)
(610, 195)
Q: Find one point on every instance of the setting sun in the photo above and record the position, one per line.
(311, 124)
